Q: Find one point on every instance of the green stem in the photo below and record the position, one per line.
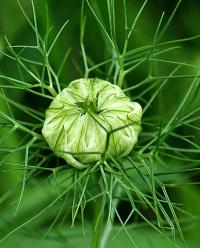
(102, 230)
(109, 226)
(121, 72)
(98, 222)
(50, 89)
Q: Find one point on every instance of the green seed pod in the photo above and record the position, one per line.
(90, 119)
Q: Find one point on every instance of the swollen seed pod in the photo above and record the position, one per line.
(90, 119)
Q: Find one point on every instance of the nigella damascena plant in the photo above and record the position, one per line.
(91, 119)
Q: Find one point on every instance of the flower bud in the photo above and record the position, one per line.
(90, 119)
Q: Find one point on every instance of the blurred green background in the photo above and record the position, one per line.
(14, 26)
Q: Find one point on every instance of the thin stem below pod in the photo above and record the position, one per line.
(102, 227)
(98, 216)
(109, 226)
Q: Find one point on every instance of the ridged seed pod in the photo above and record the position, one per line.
(90, 119)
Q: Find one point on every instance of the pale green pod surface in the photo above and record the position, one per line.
(89, 119)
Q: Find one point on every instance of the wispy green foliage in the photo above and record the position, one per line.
(53, 197)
